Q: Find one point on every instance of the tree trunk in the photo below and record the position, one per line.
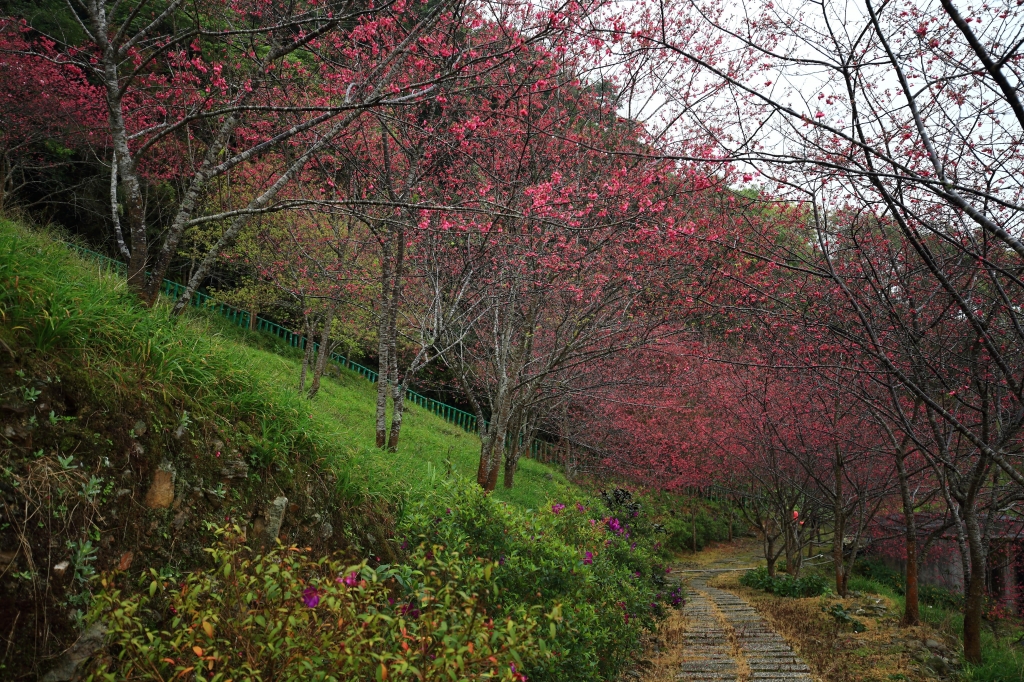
(324, 352)
(911, 610)
(398, 386)
(383, 347)
(497, 449)
(398, 409)
(693, 528)
(769, 553)
(975, 598)
(839, 532)
(730, 523)
(307, 356)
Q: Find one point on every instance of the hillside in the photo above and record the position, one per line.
(129, 435)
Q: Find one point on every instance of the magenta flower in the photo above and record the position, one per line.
(580, 508)
(557, 508)
(588, 558)
(310, 597)
(351, 579)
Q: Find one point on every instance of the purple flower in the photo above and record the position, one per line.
(310, 597)
(411, 610)
(557, 508)
(614, 525)
(580, 508)
(632, 547)
(351, 579)
(588, 558)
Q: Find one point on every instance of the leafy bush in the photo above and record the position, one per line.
(785, 585)
(284, 616)
(600, 571)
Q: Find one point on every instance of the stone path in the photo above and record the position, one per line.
(729, 642)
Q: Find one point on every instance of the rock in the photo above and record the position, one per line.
(161, 492)
(933, 644)
(8, 431)
(326, 531)
(68, 664)
(938, 665)
(235, 469)
(139, 429)
(179, 520)
(275, 517)
(59, 570)
(8, 559)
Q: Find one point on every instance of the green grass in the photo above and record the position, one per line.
(57, 303)
(1002, 661)
(344, 413)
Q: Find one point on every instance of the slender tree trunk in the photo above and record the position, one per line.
(730, 522)
(839, 519)
(398, 410)
(497, 449)
(975, 597)
(693, 527)
(911, 610)
(769, 553)
(383, 346)
(307, 356)
(324, 352)
(398, 385)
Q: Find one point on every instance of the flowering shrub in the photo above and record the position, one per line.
(286, 616)
(606, 587)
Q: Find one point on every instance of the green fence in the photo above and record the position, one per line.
(539, 449)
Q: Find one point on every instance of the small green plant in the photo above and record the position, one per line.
(30, 394)
(785, 585)
(54, 419)
(92, 488)
(83, 554)
(67, 462)
(843, 617)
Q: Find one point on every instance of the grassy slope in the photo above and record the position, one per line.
(341, 418)
(344, 412)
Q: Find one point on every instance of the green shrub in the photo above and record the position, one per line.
(598, 569)
(785, 585)
(283, 615)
